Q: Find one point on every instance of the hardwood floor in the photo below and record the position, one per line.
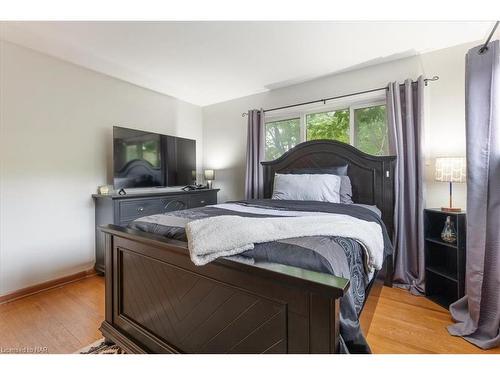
(404, 323)
(67, 318)
(62, 319)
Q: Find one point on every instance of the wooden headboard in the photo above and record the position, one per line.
(372, 177)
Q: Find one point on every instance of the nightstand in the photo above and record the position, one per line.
(444, 262)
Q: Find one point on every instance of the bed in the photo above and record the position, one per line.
(158, 301)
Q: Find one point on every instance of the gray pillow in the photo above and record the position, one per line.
(345, 190)
(341, 170)
(307, 187)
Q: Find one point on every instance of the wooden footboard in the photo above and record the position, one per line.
(158, 301)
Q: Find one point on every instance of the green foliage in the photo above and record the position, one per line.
(328, 125)
(371, 130)
(281, 136)
(370, 133)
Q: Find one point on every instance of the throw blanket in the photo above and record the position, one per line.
(335, 255)
(218, 236)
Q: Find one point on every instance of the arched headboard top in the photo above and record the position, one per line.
(372, 177)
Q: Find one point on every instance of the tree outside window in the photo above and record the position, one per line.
(364, 127)
(281, 136)
(328, 125)
(371, 134)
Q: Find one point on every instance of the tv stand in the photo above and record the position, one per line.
(123, 209)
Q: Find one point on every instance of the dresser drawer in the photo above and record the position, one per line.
(133, 209)
(202, 199)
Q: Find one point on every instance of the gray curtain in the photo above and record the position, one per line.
(478, 313)
(405, 117)
(254, 180)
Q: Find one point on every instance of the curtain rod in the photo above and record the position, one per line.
(485, 45)
(435, 78)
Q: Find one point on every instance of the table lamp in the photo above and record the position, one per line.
(209, 177)
(450, 170)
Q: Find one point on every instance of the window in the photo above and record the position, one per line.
(328, 125)
(281, 136)
(362, 125)
(370, 130)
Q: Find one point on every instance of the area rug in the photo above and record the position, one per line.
(100, 347)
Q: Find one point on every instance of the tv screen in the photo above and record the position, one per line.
(144, 159)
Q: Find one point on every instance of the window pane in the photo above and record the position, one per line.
(328, 125)
(281, 136)
(371, 130)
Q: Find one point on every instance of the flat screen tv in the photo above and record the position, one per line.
(143, 159)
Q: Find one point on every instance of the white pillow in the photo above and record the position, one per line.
(307, 187)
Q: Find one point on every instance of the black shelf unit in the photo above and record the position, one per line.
(444, 262)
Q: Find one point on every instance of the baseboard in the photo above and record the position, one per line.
(51, 284)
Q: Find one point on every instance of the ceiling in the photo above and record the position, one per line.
(209, 62)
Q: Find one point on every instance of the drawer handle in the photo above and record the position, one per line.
(140, 209)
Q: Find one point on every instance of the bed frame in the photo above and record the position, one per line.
(158, 301)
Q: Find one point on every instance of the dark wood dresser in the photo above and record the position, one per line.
(444, 262)
(122, 209)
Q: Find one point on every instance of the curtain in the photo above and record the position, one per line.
(405, 121)
(478, 313)
(254, 179)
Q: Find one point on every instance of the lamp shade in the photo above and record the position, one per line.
(450, 170)
(209, 174)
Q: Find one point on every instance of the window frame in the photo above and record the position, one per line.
(351, 106)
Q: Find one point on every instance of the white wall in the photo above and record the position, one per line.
(445, 118)
(225, 129)
(55, 142)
